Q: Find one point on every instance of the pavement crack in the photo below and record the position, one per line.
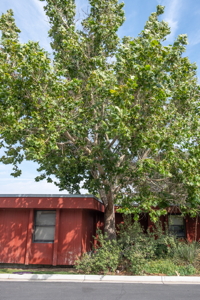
(122, 292)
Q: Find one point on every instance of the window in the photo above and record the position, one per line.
(44, 226)
(176, 225)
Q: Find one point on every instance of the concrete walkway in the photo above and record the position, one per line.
(101, 278)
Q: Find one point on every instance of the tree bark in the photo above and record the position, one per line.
(109, 221)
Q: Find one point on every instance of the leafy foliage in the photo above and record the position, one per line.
(137, 252)
(156, 242)
(119, 117)
(188, 252)
(168, 267)
(104, 259)
(138, 247)
(130, 252)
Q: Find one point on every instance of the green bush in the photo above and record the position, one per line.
(168, 267)
(137, 252)
(133, 260)
(104, 259)
(152, 244)
(187, 252)
(139, 247)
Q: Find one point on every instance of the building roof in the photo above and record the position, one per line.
(50, 201)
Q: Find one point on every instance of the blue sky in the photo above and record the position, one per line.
(183, 17)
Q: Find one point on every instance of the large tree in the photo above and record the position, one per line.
(117, 117)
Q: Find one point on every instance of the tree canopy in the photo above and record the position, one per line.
(117, 117)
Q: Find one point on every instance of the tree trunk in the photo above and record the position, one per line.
(109, 221)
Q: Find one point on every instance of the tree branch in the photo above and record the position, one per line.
(112, 143)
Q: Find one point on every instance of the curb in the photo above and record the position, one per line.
(101, 278)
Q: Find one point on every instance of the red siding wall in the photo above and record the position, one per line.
(192, 228)
(13, 235)
(73, 235)
(37, 253)
(69, 238)
(41, 253)
(88, 230)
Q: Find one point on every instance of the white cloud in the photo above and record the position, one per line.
(31, 20)
(39, 5)
(27, 186)
(172, 15)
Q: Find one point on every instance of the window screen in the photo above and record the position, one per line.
(44, 226)
(176, 225)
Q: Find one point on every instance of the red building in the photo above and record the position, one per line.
(55, 229)
(47, 229)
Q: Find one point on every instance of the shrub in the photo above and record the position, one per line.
(139, 247)
(133, 260)
(103, 259)
(187, 252)
(138, 252)
(152, 244)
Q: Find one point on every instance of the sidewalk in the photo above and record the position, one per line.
(101, 278)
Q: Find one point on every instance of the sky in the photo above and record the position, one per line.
(183, 17)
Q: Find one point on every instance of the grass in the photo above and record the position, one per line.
(169, 268)
(152, 268)
(32, 271)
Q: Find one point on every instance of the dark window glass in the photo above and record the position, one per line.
(176, 225)
(44, 226)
